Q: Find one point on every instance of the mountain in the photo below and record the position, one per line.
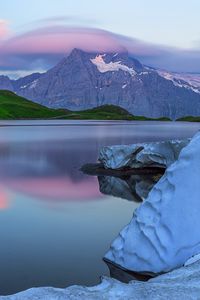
(6, 83)
(85, 80)
(187, 80)
(25, 82)
(16, 85)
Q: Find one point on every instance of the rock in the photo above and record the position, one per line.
(164, 231)
(98, 169)
(154, 154)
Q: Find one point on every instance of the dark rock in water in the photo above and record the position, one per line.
(98, 169)
(129, 184)
(124, 275)
(92, 169)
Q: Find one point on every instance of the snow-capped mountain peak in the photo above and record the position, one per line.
(84, 80)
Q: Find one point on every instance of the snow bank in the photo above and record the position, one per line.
(153, 154)
(182, 283)
(164, 231)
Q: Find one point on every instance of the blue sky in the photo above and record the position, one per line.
(162, 24)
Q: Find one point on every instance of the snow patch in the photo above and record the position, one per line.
(187, 81)
(24, 86)
(144, 73)
(30, 85)
(104, 67)
(33, 84)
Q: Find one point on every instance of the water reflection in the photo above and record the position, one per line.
(55, 224)
(55, 189)
(4, 199)
(48, 171)
(134, 188)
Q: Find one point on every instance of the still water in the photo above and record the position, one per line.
(55, 224)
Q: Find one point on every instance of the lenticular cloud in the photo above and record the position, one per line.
(61, 39)
(44, 47)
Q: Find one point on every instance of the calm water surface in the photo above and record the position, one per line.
(55, 225)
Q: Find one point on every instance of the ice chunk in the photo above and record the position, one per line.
(164, 231)
(153, 154)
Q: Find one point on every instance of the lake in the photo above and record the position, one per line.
(55, 224)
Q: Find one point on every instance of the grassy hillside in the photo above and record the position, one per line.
(189, 119)
(104, 112)
(16, 107)
(108, 112)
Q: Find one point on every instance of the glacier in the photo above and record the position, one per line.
(164, 231)
(154, 154)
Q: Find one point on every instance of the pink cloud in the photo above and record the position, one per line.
(44, 47)
(62, 39)
(3, 29)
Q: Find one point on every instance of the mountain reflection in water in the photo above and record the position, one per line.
(45, 171)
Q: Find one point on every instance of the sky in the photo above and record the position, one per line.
(36, 34)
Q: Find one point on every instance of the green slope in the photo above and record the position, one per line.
(104, 112)
(189, 119)
(108, 112)
(16, 107)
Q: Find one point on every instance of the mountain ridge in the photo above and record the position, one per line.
(85, 80)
